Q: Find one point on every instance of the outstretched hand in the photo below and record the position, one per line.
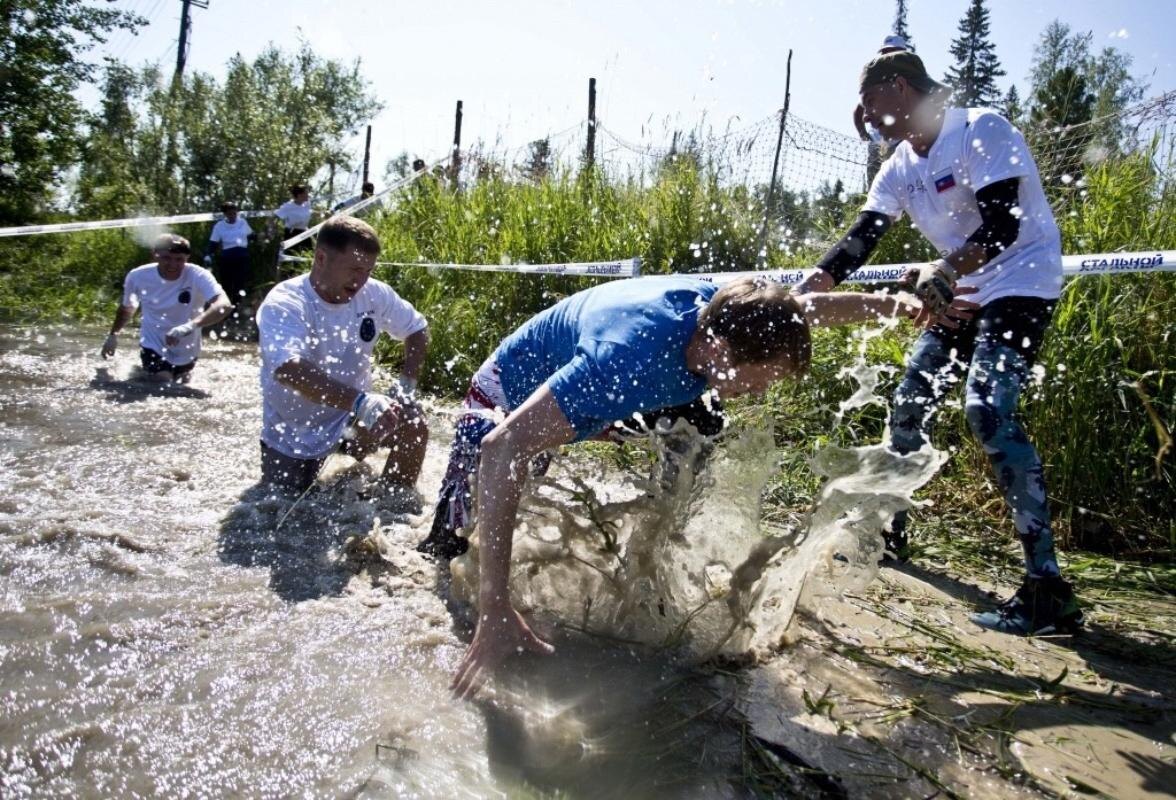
(500, 632)
(958, 311)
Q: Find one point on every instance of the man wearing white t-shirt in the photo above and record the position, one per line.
(172, 295)
(967, 180)
(317, 333)
(231, 236)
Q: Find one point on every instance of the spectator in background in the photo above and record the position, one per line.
(230, 239)
(295, 217)
(295, 212)
(367, 191)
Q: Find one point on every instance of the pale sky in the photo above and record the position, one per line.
(522, 66)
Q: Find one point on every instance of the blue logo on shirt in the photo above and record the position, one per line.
(367, 329)
(185, 296)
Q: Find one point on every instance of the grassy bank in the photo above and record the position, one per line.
(1112, 345)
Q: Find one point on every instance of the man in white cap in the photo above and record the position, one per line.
(967, 180)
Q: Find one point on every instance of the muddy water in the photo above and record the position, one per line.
(169, 629)
(160, 636)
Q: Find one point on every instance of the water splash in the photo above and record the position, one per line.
(682, 559)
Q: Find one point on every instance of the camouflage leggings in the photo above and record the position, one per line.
(996, 350)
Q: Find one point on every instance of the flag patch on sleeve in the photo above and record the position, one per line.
(944, 182)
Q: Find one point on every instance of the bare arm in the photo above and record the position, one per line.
(415, 347)
(824, 309)
(220, 308)
(122, 316)
(537, 425)
(315, 385)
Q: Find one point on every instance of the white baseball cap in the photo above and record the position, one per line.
(896, 41)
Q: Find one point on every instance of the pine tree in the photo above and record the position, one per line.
(1012, 108)
(900, 20)
(973, 77)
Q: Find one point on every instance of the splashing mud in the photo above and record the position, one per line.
(680, 558)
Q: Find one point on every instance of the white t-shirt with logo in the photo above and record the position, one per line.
(338, 338)
(294, 215)
(166, 304)
(231, 235)
(975, 148)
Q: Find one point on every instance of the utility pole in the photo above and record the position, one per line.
(185, 29)
(590, 150)
(367, 153)
(762, 256)
(455, 162)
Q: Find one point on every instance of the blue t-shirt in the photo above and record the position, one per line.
(610, 351)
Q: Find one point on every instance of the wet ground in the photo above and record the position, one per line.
(161, 635)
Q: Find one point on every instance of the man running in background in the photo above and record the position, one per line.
(317, 334)
(366, 191)
(172, 295)
(231, 237)
(966, 178)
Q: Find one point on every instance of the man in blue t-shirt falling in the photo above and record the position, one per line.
(596, 358)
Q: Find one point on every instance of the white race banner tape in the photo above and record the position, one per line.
(1072, 266)
(360, 206)
(625, 268)
(132, 222)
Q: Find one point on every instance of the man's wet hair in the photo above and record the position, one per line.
(339, 234)
(171, 243)
(761, 321)
(298, 188)
(228, 206)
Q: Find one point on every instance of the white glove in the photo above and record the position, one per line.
(934, 284)
(407, 385)
(369, 408)
(110, 345)
(181, 331)
(208, 260)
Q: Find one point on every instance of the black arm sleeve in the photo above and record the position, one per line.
(999, 226)
(855, 247)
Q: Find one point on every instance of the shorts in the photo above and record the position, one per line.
(279, 469)
(153, 363)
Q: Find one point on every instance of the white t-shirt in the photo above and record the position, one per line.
(166, 304)
(231, 235)
(294, 215)
(338, 338)
(976, 147)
